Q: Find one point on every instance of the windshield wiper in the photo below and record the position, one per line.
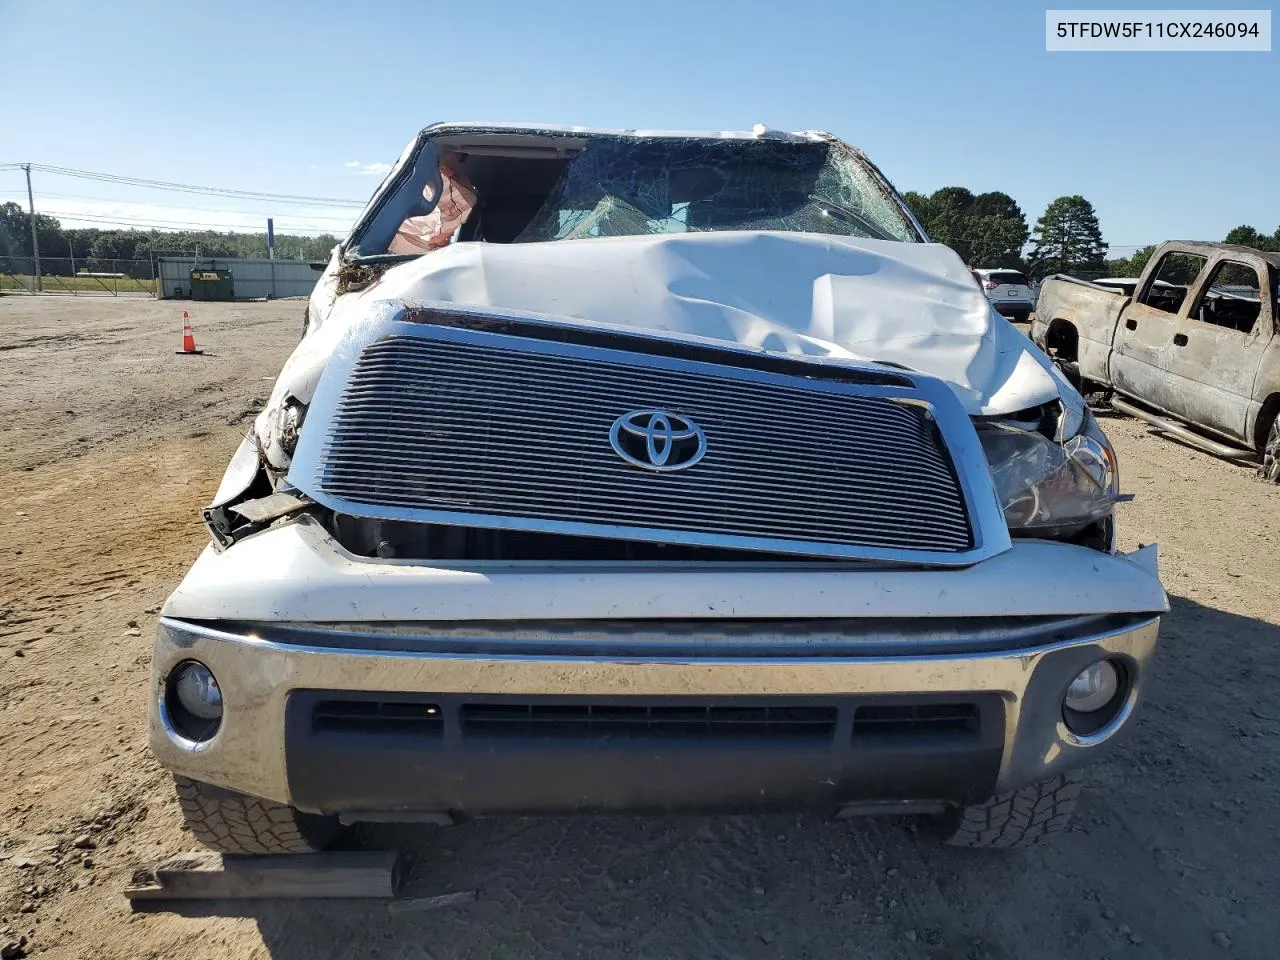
(376, 259)
(852, 216)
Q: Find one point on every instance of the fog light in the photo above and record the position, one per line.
(1093, 688)
(197, 690)
(192, 702)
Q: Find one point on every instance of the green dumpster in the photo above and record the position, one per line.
(208, 284)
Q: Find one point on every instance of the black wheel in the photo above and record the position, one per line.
(1016, 819)
(231, 822)
(1071, 370)
(1269, 469)
(1095, 395)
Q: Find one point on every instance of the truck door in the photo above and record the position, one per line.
(1143, 346)
(1220, 343)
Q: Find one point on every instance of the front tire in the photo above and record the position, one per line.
(231, 822)
(1269, 469)
(1019, 818)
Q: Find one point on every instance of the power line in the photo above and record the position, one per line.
(252, 213)
(181, 225)
(161, 211)
(184, 187)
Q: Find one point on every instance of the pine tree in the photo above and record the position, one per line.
(1067, 239)
(987, 230)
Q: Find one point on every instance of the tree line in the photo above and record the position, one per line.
(985, 229)
(990, 230)
(88, 247)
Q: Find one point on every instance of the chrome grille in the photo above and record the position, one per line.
(448, 429)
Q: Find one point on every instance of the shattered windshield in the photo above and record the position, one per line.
(626, 188)
(609, 186)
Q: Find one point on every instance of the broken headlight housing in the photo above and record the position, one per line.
(1055, 476)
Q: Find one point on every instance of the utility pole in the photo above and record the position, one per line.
(35, 242)
(271, 252)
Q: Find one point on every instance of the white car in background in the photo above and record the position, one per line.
(1009, 292)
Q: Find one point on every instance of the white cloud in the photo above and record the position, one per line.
(368, 169)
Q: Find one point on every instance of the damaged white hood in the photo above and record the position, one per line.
(911, 304)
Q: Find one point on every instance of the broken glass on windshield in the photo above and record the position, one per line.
(622, 187)
(605, 185)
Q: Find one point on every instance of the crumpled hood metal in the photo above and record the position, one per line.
(912, 304)
(908, 303)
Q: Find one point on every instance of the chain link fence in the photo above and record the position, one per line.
(76, 277)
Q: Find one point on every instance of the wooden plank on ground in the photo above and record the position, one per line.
(214, 876)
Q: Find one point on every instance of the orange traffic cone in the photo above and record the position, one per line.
(188, 338)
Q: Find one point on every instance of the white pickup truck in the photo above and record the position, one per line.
(646, 471)
(1192, 346)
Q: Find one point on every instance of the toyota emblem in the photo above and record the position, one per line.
(657, 440)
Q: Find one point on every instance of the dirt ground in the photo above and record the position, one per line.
(109, 444)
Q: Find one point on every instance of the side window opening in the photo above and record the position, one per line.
(457, 200)
(511, 190)
(1174, 278)
(1232, 298)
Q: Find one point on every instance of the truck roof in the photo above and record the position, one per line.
(759, 132)
(1207, 247)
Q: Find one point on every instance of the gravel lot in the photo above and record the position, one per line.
(110, 443)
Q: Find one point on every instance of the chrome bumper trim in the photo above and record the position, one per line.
(257, 675)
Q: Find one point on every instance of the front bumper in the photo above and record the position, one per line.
(279, 739)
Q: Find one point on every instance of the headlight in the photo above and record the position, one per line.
(1049, 486)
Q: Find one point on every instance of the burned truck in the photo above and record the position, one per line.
(650, 472)
(1192, 346)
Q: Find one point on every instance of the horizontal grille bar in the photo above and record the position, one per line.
(425, 716)
(432, 429)
(672, 519)
(377, 716)
(663, 722)
(915, 720)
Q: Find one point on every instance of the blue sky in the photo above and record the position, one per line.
(302, 98)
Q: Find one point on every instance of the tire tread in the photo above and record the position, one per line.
(1016, 819)
(231, 822)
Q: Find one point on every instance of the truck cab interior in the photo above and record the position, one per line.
(1232, 298)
